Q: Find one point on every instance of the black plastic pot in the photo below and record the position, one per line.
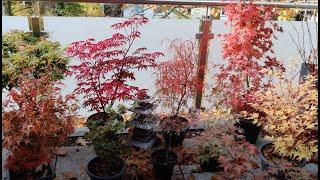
(251, 131)
(176, 138)
(118, 176)
(211, 166)
(50, 175)
(163, 162)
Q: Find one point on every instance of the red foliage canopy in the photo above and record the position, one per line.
(106, 66)
(36, 119)
(247, 50)
(176, 79)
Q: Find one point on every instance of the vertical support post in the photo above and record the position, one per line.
(35, 26)
(35, 22)
(204, 36)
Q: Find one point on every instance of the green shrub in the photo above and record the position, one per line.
(21, 50)
(106, 141)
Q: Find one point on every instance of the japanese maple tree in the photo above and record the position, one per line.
(36, 120)
(247, 50)
(106, 66)
(176, 78)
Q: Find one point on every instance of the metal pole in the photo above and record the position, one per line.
(191, 2)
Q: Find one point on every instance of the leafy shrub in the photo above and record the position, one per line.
(106, 140)
(291, 117)
(247, 50)
(176, 82)
(106, 66)
(112, 115)
(222, 140)
(36, 119)
(285, 170)
(176, 78)
(21, 50)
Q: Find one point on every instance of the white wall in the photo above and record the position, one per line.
(69, 29)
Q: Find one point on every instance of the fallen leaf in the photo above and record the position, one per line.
(70, 175)
(61, 151)
(81, 142)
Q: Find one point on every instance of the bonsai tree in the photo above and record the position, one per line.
(36, 119)
(247, 51)
(107, 144)
(107, 66)
(291, 120)
(22, 50)
(176, 83)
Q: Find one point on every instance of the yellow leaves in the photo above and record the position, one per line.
(310, 126)
(291, 116)
(270, 127)
(286, 14)
(215, 12)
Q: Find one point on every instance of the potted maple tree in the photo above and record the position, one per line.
(290, 122)
(22, 50)
(106, 67)
(103, 76)
(176, 83)
(247, 50)
(36, 119)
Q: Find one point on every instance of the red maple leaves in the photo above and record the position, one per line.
(36, 119)
(108, 65)
(247, 50)
(176, 79)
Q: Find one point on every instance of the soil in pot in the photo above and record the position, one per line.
(45, 174)
(251, 131)
(179, 127)
(211, 166)
(163, 163)
(99, 169)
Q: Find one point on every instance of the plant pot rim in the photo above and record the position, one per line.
(186, 121)
(175, 131)
(170, 152)
(124, 167)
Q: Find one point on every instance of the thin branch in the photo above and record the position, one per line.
(169, 12)
(144, 10)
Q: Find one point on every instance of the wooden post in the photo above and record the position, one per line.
(36, 22)
(204, 36)
(35, 26)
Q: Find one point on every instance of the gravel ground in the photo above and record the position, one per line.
(75, 161)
